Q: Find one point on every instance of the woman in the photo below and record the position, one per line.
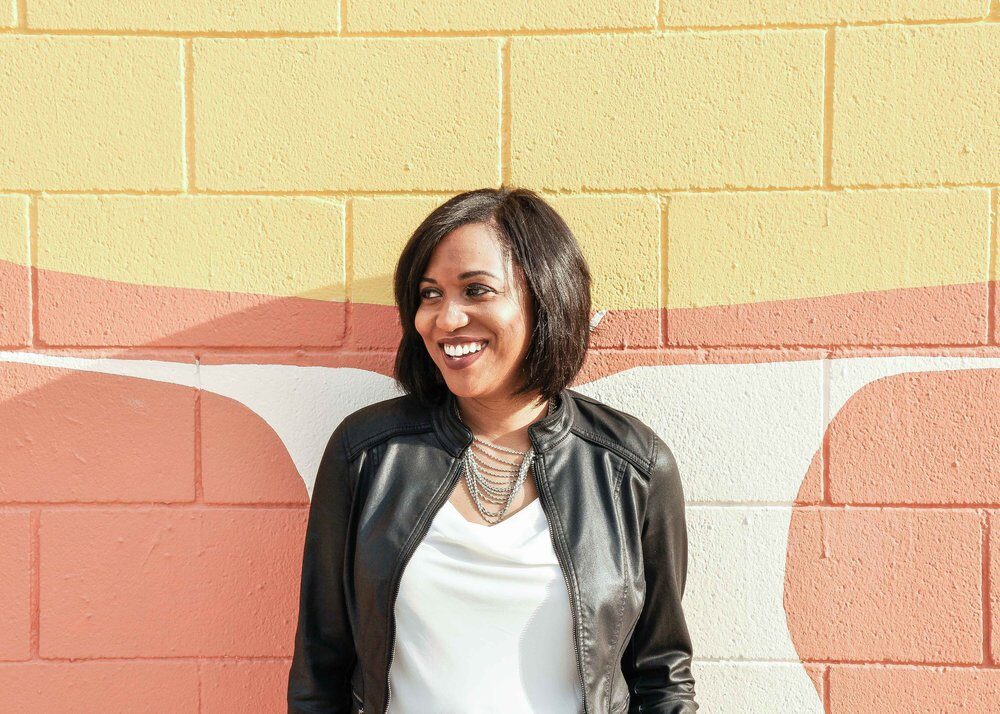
(493, 541)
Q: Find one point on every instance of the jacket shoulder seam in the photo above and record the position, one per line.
(614, 446)
(353, 449)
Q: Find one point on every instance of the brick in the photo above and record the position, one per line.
(165, 582)
(94, 436)
(916, 105)
(485, 16)
(86, 113)
(220, 269)
(919, 438)
(755, 120)
(798, 258)
(885, 585)
(902, 690)
(717, 13)
(15, 288)
(346, 114)
(15, 586)
(99, 687)
(177, 15)
(736, 575)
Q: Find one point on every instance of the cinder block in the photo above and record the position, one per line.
(638, 111)
(894, 585)
(348, 114)
(844, 267)
(213, 270)
(865, 689)
(97, 687)
(87, 113)
(916, 105)
(167, 582)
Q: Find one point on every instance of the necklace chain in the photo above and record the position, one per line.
(497, 491)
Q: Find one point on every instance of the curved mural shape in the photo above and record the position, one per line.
(780, 570)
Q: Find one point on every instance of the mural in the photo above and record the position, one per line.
(791, 216)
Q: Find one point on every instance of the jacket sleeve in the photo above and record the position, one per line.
(657, 660)
(320, 676)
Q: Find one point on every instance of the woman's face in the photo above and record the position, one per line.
(493, 306)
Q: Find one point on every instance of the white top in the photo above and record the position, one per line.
(483, 621)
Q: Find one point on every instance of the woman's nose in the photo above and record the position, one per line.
(451, 316)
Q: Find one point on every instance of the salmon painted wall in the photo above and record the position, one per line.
(790, 210)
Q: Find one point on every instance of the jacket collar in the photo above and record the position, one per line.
(544, 433)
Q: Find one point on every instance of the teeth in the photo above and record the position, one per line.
(459, 350)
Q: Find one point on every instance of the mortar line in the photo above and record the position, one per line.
(827, 704)
(33, 322)
(825, 440)
(506, 118)
(576, 192)
(35, 593)
(664, 311)
(200, 673)
(828, 80)
(987, 594)
(655, 31)
(199, 486)
(187, 63)
(993, 268)
(349, 338)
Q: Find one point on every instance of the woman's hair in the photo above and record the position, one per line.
(542, 245)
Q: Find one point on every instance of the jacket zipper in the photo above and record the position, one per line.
(412, 547)
(569, 589)
(395, 590)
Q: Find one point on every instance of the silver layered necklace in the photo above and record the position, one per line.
(503, 477)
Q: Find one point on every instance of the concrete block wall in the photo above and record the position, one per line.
(790, 210)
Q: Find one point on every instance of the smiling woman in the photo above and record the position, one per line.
(495, 266)
(551, 579)
(481, 317)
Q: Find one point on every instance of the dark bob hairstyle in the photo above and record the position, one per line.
(542, 245)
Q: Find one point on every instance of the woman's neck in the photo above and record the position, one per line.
(505, 422)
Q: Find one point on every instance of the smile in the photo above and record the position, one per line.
(459, 356)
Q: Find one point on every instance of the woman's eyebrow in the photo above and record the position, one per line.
(463, 276)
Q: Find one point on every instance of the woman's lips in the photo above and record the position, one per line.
(465, 360)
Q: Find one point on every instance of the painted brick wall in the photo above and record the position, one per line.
(790, 211)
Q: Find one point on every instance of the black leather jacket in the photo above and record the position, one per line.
(612, 496)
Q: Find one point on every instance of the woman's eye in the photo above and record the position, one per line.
(475, 289)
